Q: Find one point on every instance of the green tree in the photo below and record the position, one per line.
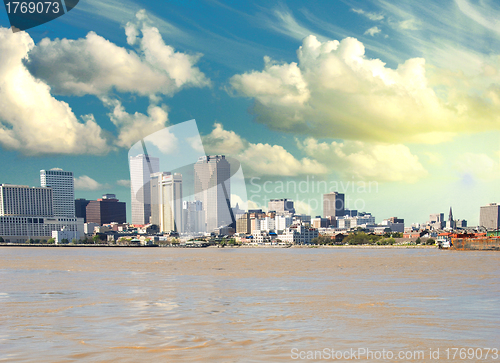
(51, 241)
(96, 239)
(74, 241)
(1, 240)
(30, 241)
(64, 241)
(418, 241)
(430, 241)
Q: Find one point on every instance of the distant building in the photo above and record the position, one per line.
(106, 210)
(88, 228)
(298, 234)
(267, 224)
(213, 188)
(319, 222)
(333, 205)
(81, 208)
(281, 206)
(141, 167)
(489, 216)
(436, 221)
(63, 191)
(353, 222)
(65, 234)
(166, 201)
(193, 217)
(283, 222)
(243, 224)
(394, 224)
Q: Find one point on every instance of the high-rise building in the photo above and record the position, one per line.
(63, 191)
(141, 168)
(212, 187)
(166, 201)
(281, 206)
(106, 210)
(333, 204)
(21, 200)
(489, 216)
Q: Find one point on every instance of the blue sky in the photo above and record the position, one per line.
(402, 95)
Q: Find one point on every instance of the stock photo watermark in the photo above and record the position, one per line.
(474, 354)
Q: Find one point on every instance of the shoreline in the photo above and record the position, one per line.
(242, 246)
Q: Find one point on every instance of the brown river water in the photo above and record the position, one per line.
(246, 305)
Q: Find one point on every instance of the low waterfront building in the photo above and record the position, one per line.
(298, 234)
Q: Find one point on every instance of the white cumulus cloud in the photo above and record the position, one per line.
(336, 91)
(366, 161)
(372, 31)
(85, 182)
(133, 127)
(94, 65)
(32, 121)
(123, 183)
(259, 159)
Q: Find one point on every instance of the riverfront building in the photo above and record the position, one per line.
(489, 216)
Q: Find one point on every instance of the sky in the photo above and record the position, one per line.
(396, 104)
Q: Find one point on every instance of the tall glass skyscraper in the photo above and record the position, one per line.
(212, 187)
(63, 191)
(141, 168)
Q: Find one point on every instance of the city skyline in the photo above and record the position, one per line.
(388, 93)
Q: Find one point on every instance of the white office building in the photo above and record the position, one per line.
(22, 200)
(166, 201)
(141, 168)
(63, 191)
(283, 222)
(18, 229)
(267, 224)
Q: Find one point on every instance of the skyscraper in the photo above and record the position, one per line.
(63, 191)
(333, 205)
(141, 168)
(166, 201)
(212, 187)
(489, 216)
